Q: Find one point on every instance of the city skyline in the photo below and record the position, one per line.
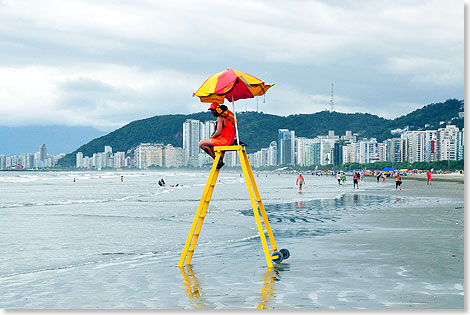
(134, 61)
(446, 143)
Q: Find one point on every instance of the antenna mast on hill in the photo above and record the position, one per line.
(332, 103)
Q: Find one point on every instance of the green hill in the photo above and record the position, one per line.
(432, 115)
(259, 129)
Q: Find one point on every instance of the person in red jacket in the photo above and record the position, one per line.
(428, 176)
(224, 133)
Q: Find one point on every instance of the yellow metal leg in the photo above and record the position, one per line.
(196, 226)
(244, 162)
(260, 204)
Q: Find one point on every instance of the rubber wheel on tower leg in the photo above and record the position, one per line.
(279, 258)
(285, 253)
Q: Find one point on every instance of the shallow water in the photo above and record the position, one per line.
(50, 224)
(48, 221)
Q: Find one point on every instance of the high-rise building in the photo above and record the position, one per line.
(338, 153)
(304, 150)
(148, 154)
(286, 147)
(29, 160)
(382, 151)
(421, 145)
(449, 141)
(119, 159)
(37, 160)
(108, 151)
(272, 153)
(460, 144)
(232, 158)
(367, 151)
(348, 137)
(326, 150)
(43, 152)
(79, 160)
(191, 138)
(3, 162)
(396, 150)
(350, 153)
(172, 156)
(100, 160)
(315, 153)
(193, 132)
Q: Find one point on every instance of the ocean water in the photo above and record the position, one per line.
(50, 223)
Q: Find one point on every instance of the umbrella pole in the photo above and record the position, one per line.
(236, 121)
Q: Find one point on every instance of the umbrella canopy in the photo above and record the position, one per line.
(232, 85)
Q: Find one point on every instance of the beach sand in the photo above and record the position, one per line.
(389, 256)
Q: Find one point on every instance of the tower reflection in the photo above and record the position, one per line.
(196, 296)
(192, 285)
(271, 276)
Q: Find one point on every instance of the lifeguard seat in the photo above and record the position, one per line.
(276, 255)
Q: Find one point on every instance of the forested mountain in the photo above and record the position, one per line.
(259, 129)
(432, 115)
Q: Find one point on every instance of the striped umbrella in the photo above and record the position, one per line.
(232, 85)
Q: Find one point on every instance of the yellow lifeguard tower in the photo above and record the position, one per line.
(276, 255)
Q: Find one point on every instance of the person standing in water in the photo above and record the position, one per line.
(398, 181)
(300, 181)
(338, 177)
(224, 133)
(356, 180)
(428, 177)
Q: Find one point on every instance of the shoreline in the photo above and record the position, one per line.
(452, 177)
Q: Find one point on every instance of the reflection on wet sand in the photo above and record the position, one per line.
(271, 276)
(196, 297)
(268, 288)
(191, 283)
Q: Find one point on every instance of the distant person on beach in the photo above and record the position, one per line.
(428, 176)
(378, 177)
(300, 181)
(343, 177)
(356, 180)
(398, 181)
(338, 177)
(224, 131)
(122, 179)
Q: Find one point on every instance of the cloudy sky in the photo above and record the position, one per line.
(106, 63)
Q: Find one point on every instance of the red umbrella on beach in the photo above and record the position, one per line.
(231, 85)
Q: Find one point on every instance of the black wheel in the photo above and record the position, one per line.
(285, 253)
(279, 258)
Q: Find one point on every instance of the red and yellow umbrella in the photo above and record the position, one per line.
(232, 85)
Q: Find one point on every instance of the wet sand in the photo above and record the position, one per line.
(394, 255)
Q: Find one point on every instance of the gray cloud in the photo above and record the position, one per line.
(107, 63)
